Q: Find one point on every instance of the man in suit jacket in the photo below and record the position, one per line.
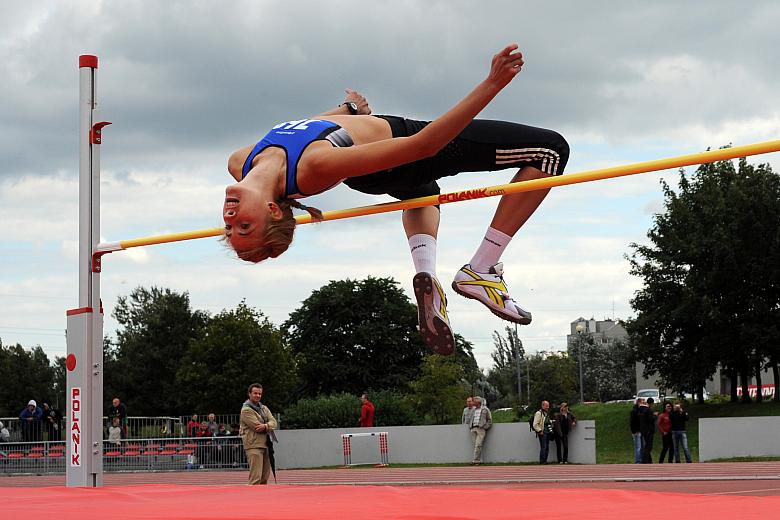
(257, 430)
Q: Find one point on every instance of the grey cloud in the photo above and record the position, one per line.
(178, 77)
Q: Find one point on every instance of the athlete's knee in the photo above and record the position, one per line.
(561, 147)
(417, 211)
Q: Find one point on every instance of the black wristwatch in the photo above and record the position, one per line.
(351, 106)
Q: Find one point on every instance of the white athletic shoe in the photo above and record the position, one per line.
(490, 290)
(432, 314)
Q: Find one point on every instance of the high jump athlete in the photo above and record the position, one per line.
(402, 158)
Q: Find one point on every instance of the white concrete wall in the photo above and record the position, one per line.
(726, 437)
(505, 442)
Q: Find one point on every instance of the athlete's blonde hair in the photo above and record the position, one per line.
(278, 233)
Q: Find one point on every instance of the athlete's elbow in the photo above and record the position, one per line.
(235, 163)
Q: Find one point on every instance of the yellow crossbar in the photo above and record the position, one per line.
(490, 191)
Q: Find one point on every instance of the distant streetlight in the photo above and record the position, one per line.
(518, 344)
(580, 329)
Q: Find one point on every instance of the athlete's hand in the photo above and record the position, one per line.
(505, 66)
(359, 99)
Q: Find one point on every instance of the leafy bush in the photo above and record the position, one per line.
(335, 411)
(393, 409)
(343, 411)
(504, 416)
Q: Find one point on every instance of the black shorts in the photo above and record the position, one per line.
(483, 145)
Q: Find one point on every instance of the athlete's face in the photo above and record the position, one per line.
(245, 213)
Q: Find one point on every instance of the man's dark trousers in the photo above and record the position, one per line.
(544, 447)
(647, 449)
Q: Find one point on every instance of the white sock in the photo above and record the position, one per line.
(490, 250)
(423, 248)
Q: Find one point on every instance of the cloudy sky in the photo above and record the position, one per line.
(186, 83)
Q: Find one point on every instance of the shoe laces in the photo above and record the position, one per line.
(498, 270)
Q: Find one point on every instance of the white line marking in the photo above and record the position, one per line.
(743, 491)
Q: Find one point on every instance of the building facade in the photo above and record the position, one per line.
(603, 332)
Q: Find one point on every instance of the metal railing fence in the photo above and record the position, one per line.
(134, 427)
(149, 454)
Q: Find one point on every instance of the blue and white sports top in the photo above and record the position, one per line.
(293, 137)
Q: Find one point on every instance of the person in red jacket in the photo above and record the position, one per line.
(366, 412)
(193, 426)
(665, 427)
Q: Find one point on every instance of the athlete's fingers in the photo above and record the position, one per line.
(508, 54)
(506, 51)
(516, 62)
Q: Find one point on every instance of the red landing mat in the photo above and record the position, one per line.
(372, 502)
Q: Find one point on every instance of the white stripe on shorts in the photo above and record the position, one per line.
(550, 158)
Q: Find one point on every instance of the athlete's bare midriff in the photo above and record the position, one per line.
(363, 129)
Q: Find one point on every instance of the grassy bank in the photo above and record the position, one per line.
(613, 437)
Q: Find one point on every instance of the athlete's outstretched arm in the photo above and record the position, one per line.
(334, 164)
(342, 110)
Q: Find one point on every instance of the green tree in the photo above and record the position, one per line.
(59, 377)
(437, 393)
(237, 348)
(503, 374)
(552, 378)
(711, 279)
(608, 370)
(141, 365)
(464, 356)
(351, 335)
(24, 375)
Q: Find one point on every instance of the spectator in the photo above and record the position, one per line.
(366, 412)
(115, 432)
(203, 430)
(204, 451)
(563, 422)
(481, 421)
(222, 431)
(5, 435)
(31, 419)
(118, 409)
(665, 428)
(193, 426)
(635, 433)
(240, 454)
(543, 427)
(223, 447)
(52, 419)
(466, 417)
(257, 431)
(213, 425)
(647, 429)
(678, 418)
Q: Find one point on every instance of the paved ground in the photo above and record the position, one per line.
(754, 479)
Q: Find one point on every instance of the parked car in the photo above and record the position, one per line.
(691, 397)
(646, 393)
